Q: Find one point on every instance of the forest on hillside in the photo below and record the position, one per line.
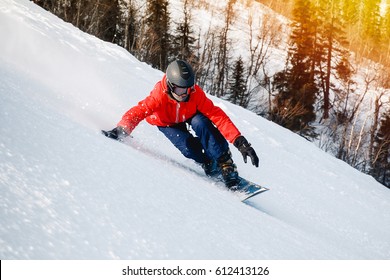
(364, 23)
(323, 92)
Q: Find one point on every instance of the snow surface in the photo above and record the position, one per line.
(67, 192)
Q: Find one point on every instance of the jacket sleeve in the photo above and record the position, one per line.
(219, 118)
(143, 109)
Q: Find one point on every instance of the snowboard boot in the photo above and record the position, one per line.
(228, 170)
(211, 168)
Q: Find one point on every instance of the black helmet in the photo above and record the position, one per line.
(179, 73)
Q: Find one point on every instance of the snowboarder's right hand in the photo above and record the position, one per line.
(118, 133)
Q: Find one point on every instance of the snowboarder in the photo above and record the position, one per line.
(175, 102)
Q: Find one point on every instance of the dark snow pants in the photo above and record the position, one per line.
(208, 143)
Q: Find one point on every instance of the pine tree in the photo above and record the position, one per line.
(295, 86)
(108, 19)
(128, 26)
(237, 93)
(184, 40)
(331, 35)
(157, 42)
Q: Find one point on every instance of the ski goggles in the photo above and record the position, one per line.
(180, 90)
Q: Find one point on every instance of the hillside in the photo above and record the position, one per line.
(67, 192)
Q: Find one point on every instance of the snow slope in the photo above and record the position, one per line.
(67, 192)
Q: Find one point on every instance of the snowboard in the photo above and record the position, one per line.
(247, 189)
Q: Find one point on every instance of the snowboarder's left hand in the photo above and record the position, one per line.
(246, 150)
(118, 133)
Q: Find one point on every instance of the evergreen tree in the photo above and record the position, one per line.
(184, 40)
(331, 35)
(128, 26)
(294, 104)
(237, 93)
(108, 15)
(157, 42)
(295, 86)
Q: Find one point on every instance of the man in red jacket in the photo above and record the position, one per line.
(175, 102)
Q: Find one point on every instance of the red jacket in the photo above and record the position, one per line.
(162, 110)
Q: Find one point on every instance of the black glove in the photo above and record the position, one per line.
(118, 133)
(246, 150)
